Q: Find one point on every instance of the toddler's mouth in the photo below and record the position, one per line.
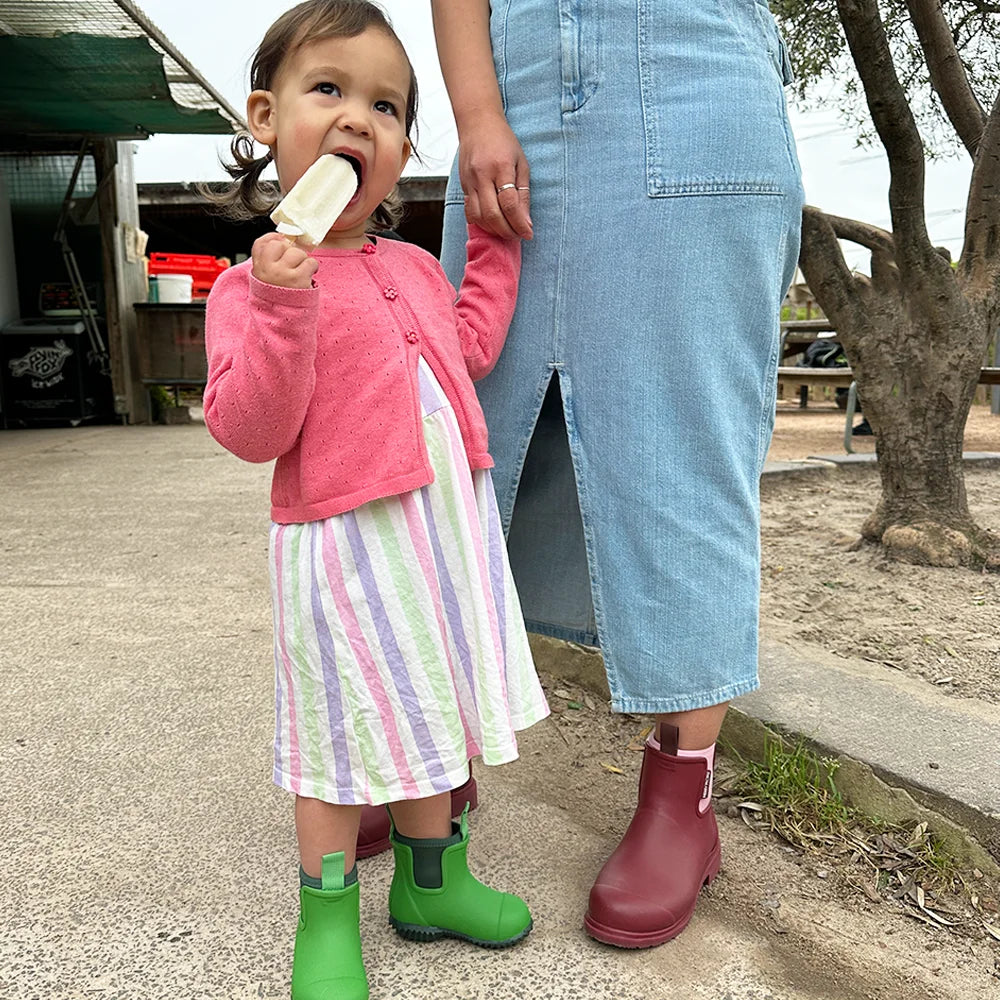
(355, 165)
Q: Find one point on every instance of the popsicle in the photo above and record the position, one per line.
(316, 200)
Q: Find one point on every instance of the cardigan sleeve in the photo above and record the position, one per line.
(486, 299)
(261, 345)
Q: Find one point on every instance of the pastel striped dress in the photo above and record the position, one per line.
(400, 650)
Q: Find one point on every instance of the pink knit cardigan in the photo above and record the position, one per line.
(324, 379)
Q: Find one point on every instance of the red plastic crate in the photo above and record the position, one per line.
(204, 269)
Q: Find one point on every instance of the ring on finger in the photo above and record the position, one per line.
(506, 187)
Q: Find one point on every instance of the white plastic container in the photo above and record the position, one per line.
(174, 287)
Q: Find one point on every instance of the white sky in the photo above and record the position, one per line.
(220, 36)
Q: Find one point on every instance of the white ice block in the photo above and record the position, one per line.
(316, 200)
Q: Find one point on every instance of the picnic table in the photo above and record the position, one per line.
(796, 335)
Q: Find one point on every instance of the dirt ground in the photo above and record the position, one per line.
(819, 430)
(818, 588)
(824, 928)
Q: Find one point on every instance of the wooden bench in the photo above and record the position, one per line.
(843, 378)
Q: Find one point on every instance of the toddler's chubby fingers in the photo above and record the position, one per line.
(279, 262)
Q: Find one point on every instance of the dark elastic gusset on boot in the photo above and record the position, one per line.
(373, 835)
(647, 890)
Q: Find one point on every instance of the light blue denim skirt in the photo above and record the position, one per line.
(633, 405)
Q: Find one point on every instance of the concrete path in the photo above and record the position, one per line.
(145, 853)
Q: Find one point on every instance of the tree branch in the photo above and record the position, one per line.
(875, 239)
(897, 129)
(948, 76)
(826, 271)
(981, 253)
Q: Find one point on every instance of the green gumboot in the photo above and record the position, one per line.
(328, 963)
(462, 907)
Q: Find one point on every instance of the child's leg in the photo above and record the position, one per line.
(327, 961)
(325, 828)
(423, 819)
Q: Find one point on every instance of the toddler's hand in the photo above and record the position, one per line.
(278, 262)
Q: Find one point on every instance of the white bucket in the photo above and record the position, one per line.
(174, 287)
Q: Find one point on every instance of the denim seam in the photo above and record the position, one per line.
(581, 637)
(509, 499)
(769, 381)
(684, 189)
(583, 499)
(500, 58)
(686, 703)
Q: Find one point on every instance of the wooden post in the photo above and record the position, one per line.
(995, 391)
(124, 279)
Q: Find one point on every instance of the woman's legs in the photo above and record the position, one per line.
(698, 728)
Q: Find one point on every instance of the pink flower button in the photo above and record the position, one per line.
(390, 292)
(411, 336)
(368, 248)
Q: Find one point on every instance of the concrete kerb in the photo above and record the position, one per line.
(982, 459)
(873, 790)
(808, 468)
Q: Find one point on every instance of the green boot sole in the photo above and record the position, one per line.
(421, 933)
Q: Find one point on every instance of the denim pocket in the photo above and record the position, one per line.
(579, 53)
(713, 108)
(773, 41)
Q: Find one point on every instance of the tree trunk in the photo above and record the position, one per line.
(918, 409)
(917, 370)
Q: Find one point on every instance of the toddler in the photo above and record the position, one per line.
(400, 651)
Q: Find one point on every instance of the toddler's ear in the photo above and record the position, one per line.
(261, 116)
(407, 153)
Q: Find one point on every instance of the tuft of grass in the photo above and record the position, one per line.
(796, 793)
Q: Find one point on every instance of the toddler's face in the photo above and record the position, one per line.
(339, 95)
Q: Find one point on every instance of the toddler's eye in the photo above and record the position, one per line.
(329, 89)
(385, 108)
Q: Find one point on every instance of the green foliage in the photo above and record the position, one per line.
(794, 782)
(821, 57)
(800, 312)
(161, 399)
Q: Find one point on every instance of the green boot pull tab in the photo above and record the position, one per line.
(328, 963)
(333, 871)
(458, 905)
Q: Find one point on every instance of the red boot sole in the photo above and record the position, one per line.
(469, 792)
(649, 939)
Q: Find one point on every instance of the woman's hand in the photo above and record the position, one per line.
(278, 262)
(495, 178)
